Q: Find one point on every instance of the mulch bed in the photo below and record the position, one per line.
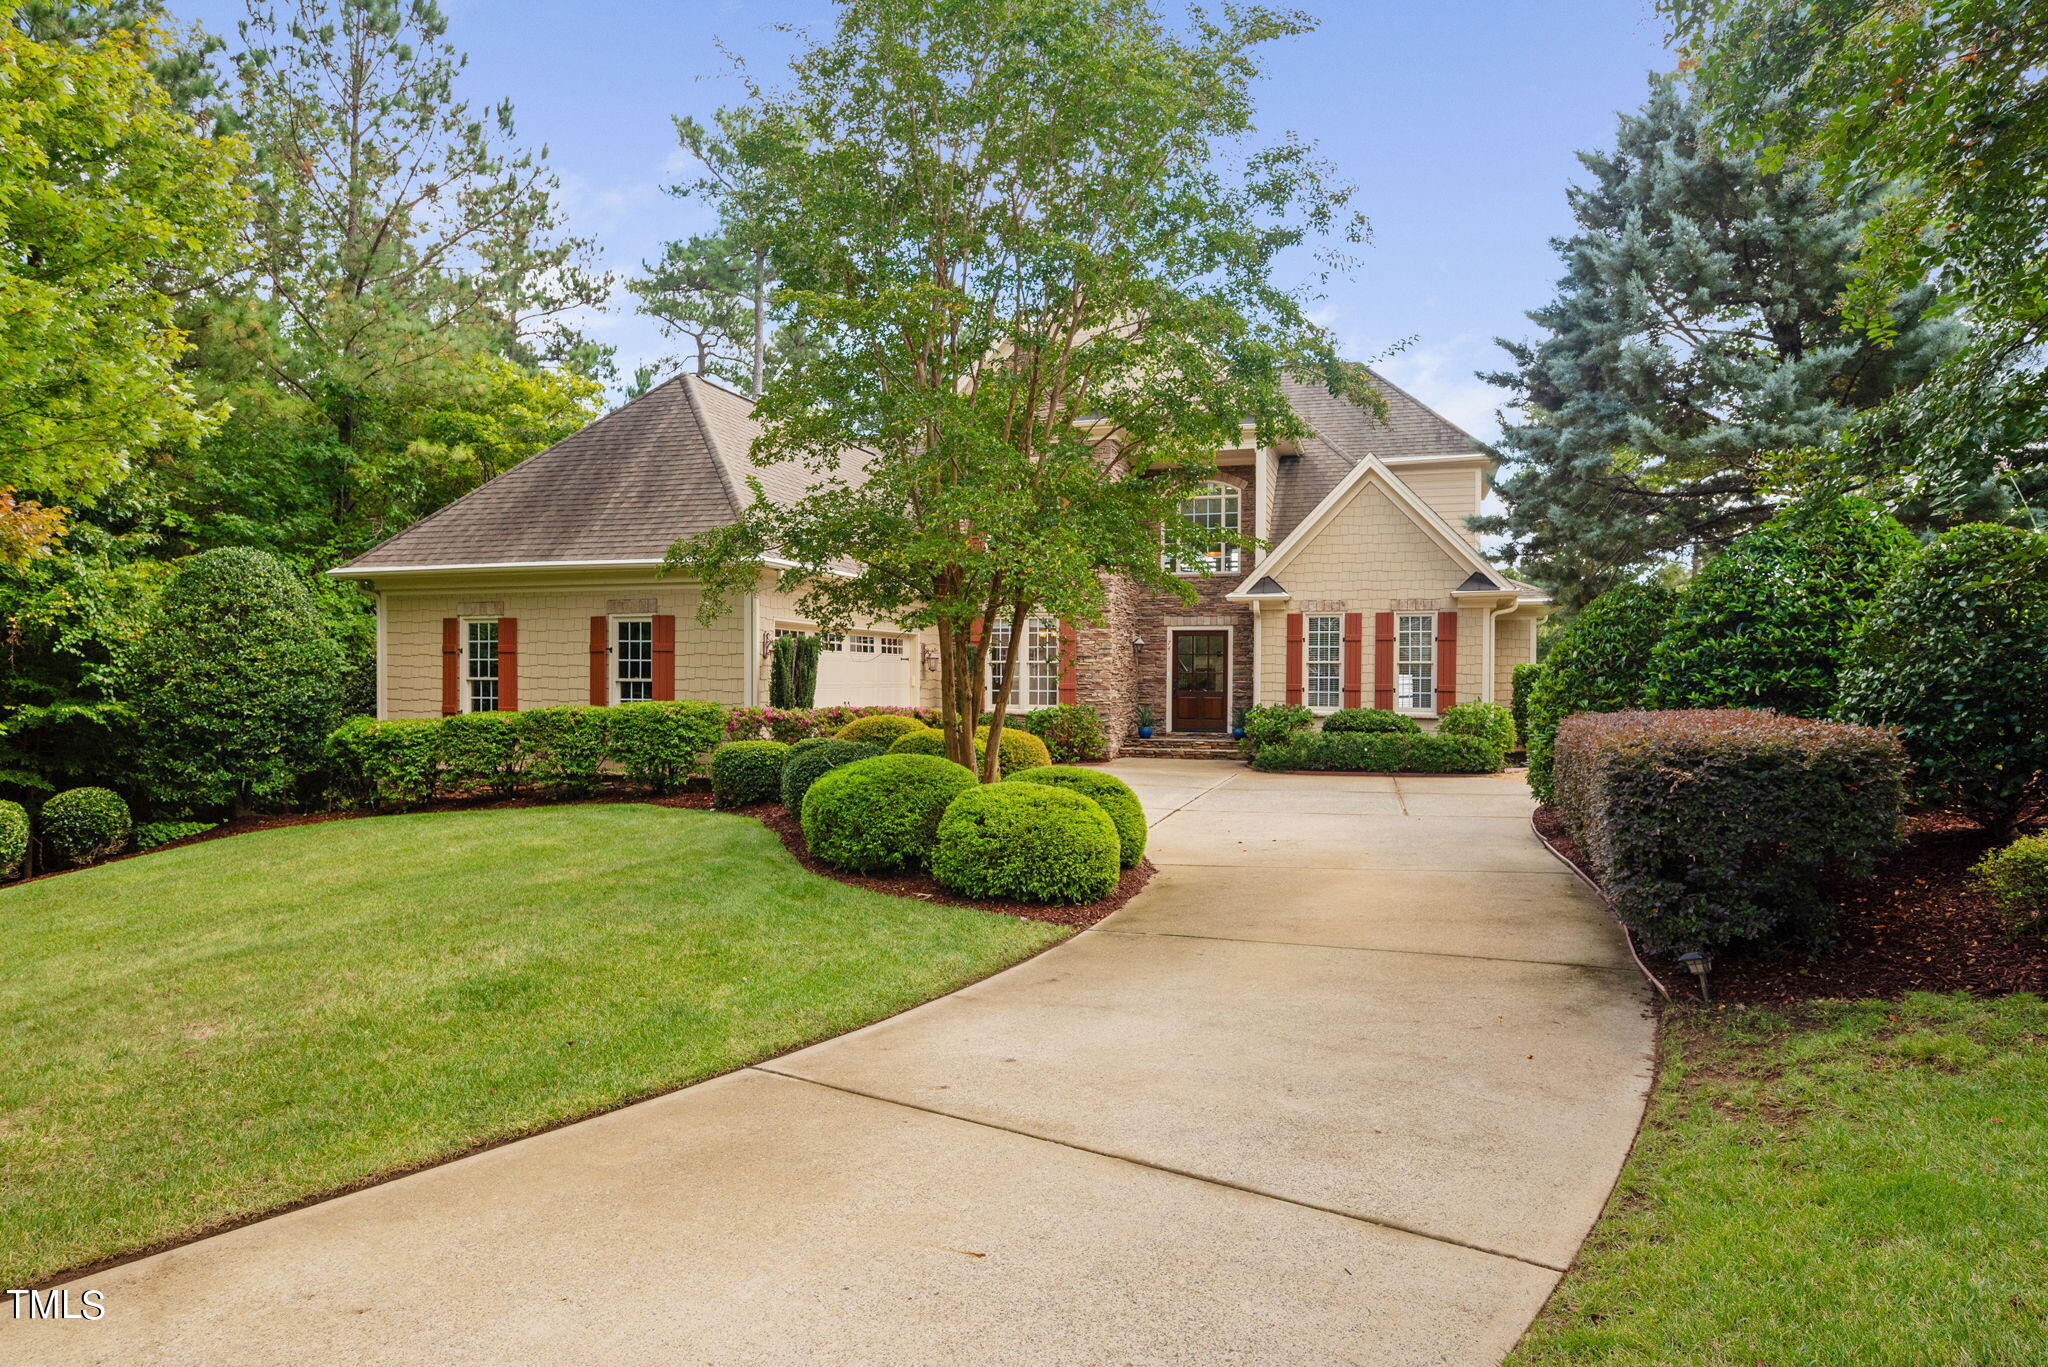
(918, 886)
(1917, 926)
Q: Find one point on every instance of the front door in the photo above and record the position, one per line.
(1200, 674)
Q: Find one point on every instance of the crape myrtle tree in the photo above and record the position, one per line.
(1696, 331)
(1940, 108)
(1030, 254)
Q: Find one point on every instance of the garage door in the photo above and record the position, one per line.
(866, 669)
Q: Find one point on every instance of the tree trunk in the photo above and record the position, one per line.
(991, 759)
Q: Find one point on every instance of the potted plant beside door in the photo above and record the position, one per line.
(1237, 724)
(1144, 722)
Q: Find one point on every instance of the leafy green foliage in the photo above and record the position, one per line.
(480, 751)
(1072, 733)
(930, 741)
(883, 813)
(1767, 622)
(661, 744)
(793, 670)
(562, 749)
(1026, 842)
(150, 835)
(388, 763)
(1106, 791)
(1016, 750)
(883, 731)
(13, 839)
(809, 762)
(1489, 721)
(747, 771)
(1710, 827)
(1381, 752)
(1954, 654)
(1696, 331)
(2015, 875)
(233, 683)
(1369, 719)
(1522, 688)
(1599, 663)
(1273, 723)
(84, 825)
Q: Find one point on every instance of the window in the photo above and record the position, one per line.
(862, 645)
(633, 659)
(892, 645)
(1215, 505)
(1038, 674)
(1415, 662)
(834, 641)
(480, 666)
(1325, 660)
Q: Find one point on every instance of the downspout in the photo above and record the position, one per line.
(750, 649)
(382, 710)
(1486, 683)
(1258, 653)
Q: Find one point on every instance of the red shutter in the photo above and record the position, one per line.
(1354, 659)
(664, 658)
(451, 666)
(1446, 660)
(508, 664)
(600, 661)
(1295, 647)
(1070, 677)
(1383, 660)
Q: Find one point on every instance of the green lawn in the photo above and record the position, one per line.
(227, 1027)
(1867, 1185)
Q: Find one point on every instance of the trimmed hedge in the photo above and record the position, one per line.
(1524, 683)
(1369, 719)
(1112, 794)
(1381, 752)
(564, 747)
(387, 763)
(1028, 842)
(807, 763)
(1072, 734)
(2016, 877)
(792, 724)
(85, 825)
(883, 813)
(1709, 827)
(1016, 751)
(1487, 720)
(884, 730)
(931, 741)
(747, 771)
(661, 744)
(1599, 663)
(1273, 723)
(13, 839)
(481, 750)
(150, 834)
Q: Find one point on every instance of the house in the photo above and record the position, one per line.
(540, 587)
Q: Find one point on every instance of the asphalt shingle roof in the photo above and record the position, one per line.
(1346, 434)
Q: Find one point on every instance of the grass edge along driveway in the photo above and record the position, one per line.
(1850, 1182)
(218, 1030)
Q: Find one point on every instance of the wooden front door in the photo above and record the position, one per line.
(1201, 670)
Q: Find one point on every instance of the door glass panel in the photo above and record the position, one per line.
(1197, 663)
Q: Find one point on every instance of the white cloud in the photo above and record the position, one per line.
(1442, 376)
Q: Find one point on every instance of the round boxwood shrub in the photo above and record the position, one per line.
(1071, 732)
(881, 813)
(1487, 720)
(1028, 842)
(1112, 794)
(1369, 719)
(883, 730)
(1600, 663)
(747, 771)
(809, 763)
(13, 839)
(1955, 655)
(2016, 877)
(1016, 751)
(85, 825)
(929, 741)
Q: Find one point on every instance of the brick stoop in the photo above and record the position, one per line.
(1195, 746)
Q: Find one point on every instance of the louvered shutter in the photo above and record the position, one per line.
(600, 660)
(1296, 647)
(508, 664)
(1383, 660)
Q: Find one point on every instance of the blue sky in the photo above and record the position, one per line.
(1457, 119)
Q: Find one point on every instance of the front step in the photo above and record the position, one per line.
(1195, 746)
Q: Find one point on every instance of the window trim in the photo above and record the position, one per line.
(615, 681)
(1230, 559)
(466, 683)
(1428, 709)
(1022, 702)
(1336, 663)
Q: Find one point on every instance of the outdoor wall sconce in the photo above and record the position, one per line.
(1136, 639)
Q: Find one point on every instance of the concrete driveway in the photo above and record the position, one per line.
(1347, 1084)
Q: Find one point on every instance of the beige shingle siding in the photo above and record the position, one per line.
(1452, 493)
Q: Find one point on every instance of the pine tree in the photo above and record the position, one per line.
(1696, 333)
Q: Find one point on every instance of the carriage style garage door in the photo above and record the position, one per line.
(865, 669)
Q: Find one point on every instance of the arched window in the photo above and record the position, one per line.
(1213, 505)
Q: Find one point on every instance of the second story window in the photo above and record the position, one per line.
(1213, 506)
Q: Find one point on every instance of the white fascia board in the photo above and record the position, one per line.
(379, 571)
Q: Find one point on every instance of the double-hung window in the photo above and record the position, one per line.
(1415, 662)
(1037, 683)
(480, 665)
(633, 659)
(1215, 507)
(1324, 657)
